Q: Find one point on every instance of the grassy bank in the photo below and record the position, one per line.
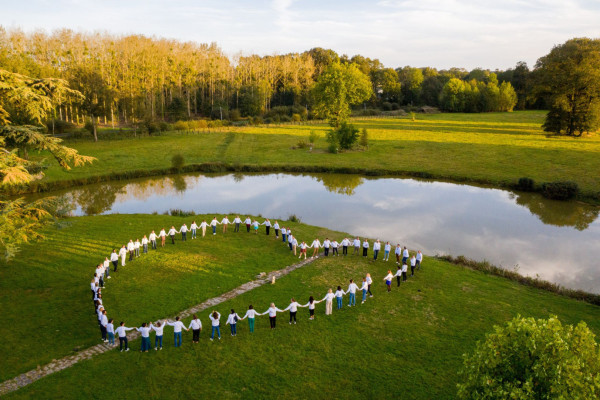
(495, 148)
(409, 341)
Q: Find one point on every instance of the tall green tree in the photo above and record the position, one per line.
(569, 77)
(338, 88)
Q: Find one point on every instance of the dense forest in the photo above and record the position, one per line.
(132, 78)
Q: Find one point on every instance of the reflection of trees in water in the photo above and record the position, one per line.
(178, 183)
(559, 213)
(237, 177)
(340, 183)
(97, 199)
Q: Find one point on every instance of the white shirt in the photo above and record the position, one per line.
(365, 286)
(387, 247)
(356, 243)
(247, 221)
(172, 231)
(334, 244)
(290, 238)
(326, 243)
(114, 257)
(162, 233)
(293, 307)
(398, 250)
(177, 325)
(144, 241)
(303, 245)
(203, 224)
(183, 228)
(419, 257)
(365, 245)
(195, 324)
(311, 306)
(376, 246)
(110, 328)
(345, 242)
(136, 245)
(145, 330)
(130, 246)
(266, 223)
(251, 314)
(255, 224)
(316, 244)
(389, 277)
(237, 220)
(121, 331)
(283, 231)
(413, 261)
(231, 319)
(294, 242)
(103, 320)
(214, 222)
(276, 226)
(152, 236)
(352, 288)
(272, 311)
(158, 329)
(369, 280)
(405, 253)
(215, 321)
(399, 272)
(105, 264)
(339, 293)
(404, 268)
(225, 221)
(193, 226)
(328, 297)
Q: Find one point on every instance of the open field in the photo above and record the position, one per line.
(493, 148)
(408, 342)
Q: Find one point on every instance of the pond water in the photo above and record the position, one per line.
(559, 241)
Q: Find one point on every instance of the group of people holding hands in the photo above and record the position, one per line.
(102, 273)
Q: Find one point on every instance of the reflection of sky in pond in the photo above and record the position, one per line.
(436, 217)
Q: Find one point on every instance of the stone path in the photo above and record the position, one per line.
(66, 362)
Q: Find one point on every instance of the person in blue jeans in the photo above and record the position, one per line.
(158, 339)
(145, 330)
(352, 288)
(364, 288)
(232, 321)
(177, 327)
(215, 322)
(339, 296)
(110, 330)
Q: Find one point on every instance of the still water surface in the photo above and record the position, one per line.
(559, 241)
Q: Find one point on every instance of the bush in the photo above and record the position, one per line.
(235, 115)
(177, 161)
(294, 218)
(526, 184)
(175, 212)
(312, 137)
(302, 144)
(332, 148)
(560, 190)
(347, 135)
(180, 126)
(386, 106)
(164, 126)
(89, 126)
(296, 117)
(364, 138)
(533, 359)
(60, 126)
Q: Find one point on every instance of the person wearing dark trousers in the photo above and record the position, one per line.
(376, 248)
(145, 331)
(103, 325)
(152, 238)
(237, 221)
(131, 249)
(215, 320)
(334, 248)
(267, 225)
(404, 255)
(326, 246)
(293, 309)
(413, 263)
(283, 234)
(248, 222)
(183, 231)
(122, 333)
(365, 247)
(398, 253)
(290, 239)
(232, 320)
(145, 244)
(158, 339)
(196, 327)
(398, 275)
(172, 233)
(276, 227)
(345, 244)
(369, 282)
(419, 259)
(404, 271)
(272, 311)
(114, 258)
(177, 327)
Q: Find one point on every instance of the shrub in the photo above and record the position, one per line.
(386, 106)
(296, 117)
(526, 184)
(332, 148)
(60, 126)
(294, 218)
(302, 144)
(175, 212)
(347, 135)
(89, 126)
(560, 190)
(180, 126)
(235, 115)
(312, 137)
(533, 359)
(164, 126)
(177, 161)
(364, 138)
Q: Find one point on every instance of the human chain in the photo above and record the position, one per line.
(102, 273)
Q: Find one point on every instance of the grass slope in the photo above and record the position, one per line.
(496, 148)
(407, 343)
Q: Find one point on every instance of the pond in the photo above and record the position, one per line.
(559, 241)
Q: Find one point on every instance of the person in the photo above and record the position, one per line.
(248, 222)
(145, 330)
(365, 247)
(172, 233)
(398, 253)
(106, 266)
(303, 247)
(398, 275)
(100, 276)
(110, 331)
(419, 259)
(183, 231)
(123, 254)
(145, 244)
(404, 271)
(294, 244)
(276, 227)
(225, 221)
(413, 264)
(369, 282)
(386, 251)
(114, 258)
(232, 320)
(137, 246)
(122, 333)
(214, 224)
(272, 311)
(326, 246)
(339, 296)
(364, 288)
(334, 248)
(152, 238)
(356, 244)
(131, 249)
(388, 280)
(163, 236)
(194, 228)
(311, 307)
(177, 327)
(404, 255)
(103, 325)
(293, 309)
(283, 234)
(203, 225)
(376, 248)
(158, 339)
(237, 221)
(290, 239)
(196, 327)
(267, 225)
(255, 225)
(93, 285)
(215, 322)
(328, 302)
(352, 287)
(345, 244)
(316, 244)
(251, 315)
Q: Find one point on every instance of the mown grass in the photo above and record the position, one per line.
(494, 148)
(407, 343)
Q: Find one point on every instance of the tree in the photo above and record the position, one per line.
(411, 80)
(533, 359)
(569, 78)
(339, 87)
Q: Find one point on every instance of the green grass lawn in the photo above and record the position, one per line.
(408, 343)
(496, 148)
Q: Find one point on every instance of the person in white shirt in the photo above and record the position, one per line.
(204, 225)
(294, 244)
(364, 288)
(303, 247)
(110, 331)
(326, 245)
(419, 259)
(352, 288)
(193, 227)
(123, 254)
(293, 309)
(196, 327)
(237, 221)
(145, 244)
(248, 222)
(283, 234)
(404, 255)
(131, 249)
(93, 287)
(386, 251)
(328, 302)
(251, 315)
(137, 246)
(122, 333)
(398, 253)
(276, 227)
(232, 320)
(255, 225)
(413, 263)
(214, 224)
(163, 236)
(145, 330)
(404, 271)
(106, 266)
(339, 296)
(177, 327)
(183, 231)
(152, 238)
(290, 239)
(114, 258)
(369, 282)
(365, 247)
(311, 307)
(272, 311)
(356, 244)
(334, 248)
(103, 325)
(316, 245)
(345, 243)
(267, 224)
(158, 339)
(215, 322)
(376, 248)
(398, 275)
(225, 221)
(100, 276)
(172, 233)
(388, 280)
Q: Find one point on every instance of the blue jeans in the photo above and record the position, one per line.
(386, 255)
(183, 236)
(339, 302)
(193, 233)
(215, 329)
(351, 299)
(111, 338)
(177, 338)
(107, 272)
(283, 236)
(404, 260)
(364, 295)
(214, 229)
(158, 341)
(145, 343)
(234, 329)
(146, 248)
(375, 253)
